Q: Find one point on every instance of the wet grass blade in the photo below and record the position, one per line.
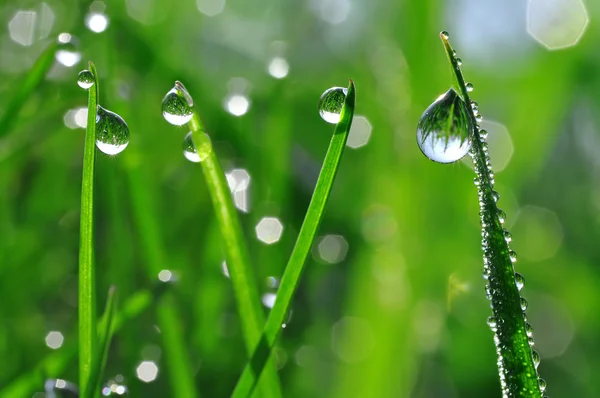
(295, 266)
(87, 289)
(24, 88)
(517, 361)
(104, 337)
(238, 260)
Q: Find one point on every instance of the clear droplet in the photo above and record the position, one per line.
(112, 133)
(331, 104)
(501, 216)
(529, 330)
(530, 341)
(513, 256)
(491, 321)
(192, 153)
(469, 87)
(507, 236)
(524, 304)
(495, 195)
(444, 35)
(542, 384)
(66, 53)
(444, 131)
(536, 358)
(178, 105)
(519, 280)
(85, 79)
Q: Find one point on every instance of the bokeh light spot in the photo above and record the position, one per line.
(557, 24)
(537, 233)
(96, 22)
(278, 67)
(210, 8)
(352, 339)
(147, 371)
(332, 248)
(360, 132)
(500, 145)
(269, 230)
(54, 339)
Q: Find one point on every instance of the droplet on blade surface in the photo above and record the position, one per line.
(178, 105)
(194, 154)
(112, 133)
(444, 131)
(331, 104)
(85, 79)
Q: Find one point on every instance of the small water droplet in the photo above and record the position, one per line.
(495, 195)
(459, 61)
(85, 79)
(331, 104)
(112, 133)
(178, 105)
(478, 118)
(444, 35)
(536, 358)
(483, 134)
(192, 153)
(444, 131)
(469, 87)
(519, 280)
(523, 304)
(66, 53)
(530, 341)
(491, 321)
(542, 384)
(501, 216)
(528, 330)
(512, 255)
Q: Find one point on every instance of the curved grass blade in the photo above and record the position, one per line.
(87, 281)
(36, 74)
(517, 361)
(295, 266)
(238, 260)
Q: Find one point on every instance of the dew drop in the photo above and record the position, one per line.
(530, 341)
(507, 236)
(519, 280)
(444, 35)
(542, 384)
(478, 118)
(512, 255)
(459, 61)
(524, 304)
(529, 330)
(85, 79)
(444, 131)
(483, 134)
(190, 151)
(491, 321)
(536, 358)
(469, 87)
(112, 133)
(495, 195)
(501, 216)
(331, 104)
(177, 106)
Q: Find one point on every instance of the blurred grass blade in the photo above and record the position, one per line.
(104, 337)
(295, 266)
(87, 294)
(238, 260)
(25, 88)
(516, 365)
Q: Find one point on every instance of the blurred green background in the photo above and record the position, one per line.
(392, 302)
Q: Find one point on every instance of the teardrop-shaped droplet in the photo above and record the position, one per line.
(60, 388)
(529, 330)
(519, 280)
(524, 304)
(501, 216)
(507, 236)
(491, 321)
(85, 79)
(444, 34)
(331, 104)
(178, 105)
(513, 256)
(444, 131)
(536, 358)
(469, 87)
(530, 341)
(112, 133)
(194, 154)
(542, 384)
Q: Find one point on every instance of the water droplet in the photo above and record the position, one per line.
(483, 134)
(519, 280)
(331, 104)
(469, 87)
(177, 106)
(536, 358)
(478, 118)
(66, 53)
(112, 133)
(444, 131)
(528, 330)
(85, 79)
(524, 304)
(444, 35)
(501, 216)
(542, 384)
(192, 153)
(491, 321)
(61, 388)
(530, 341)
(512, 255)
(459, 61)
(495, 195)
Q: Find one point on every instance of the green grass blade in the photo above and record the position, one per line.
(516, 367)
(295, 266)
(104, 337)
(238, 260)
(25, 88)
(87, 294)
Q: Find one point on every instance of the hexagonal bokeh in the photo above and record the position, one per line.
(500, 145)
(332, 248)
(269, 230)
(28, 25)
(54, 339)
(360, 132)
(538, 233)
(147, 371)
(557, 24)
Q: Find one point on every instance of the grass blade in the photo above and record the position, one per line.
(36, 74)
(87, 289)
(238, 260)
(516, 364)
(104, 338)
(295, 266)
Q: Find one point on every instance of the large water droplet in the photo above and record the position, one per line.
(444, 131)
(178, 105)
(85, 79)
(192, 153)
(112, 133)
(542, 384)
(536, 358)
(331, 104)
(519, 280)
